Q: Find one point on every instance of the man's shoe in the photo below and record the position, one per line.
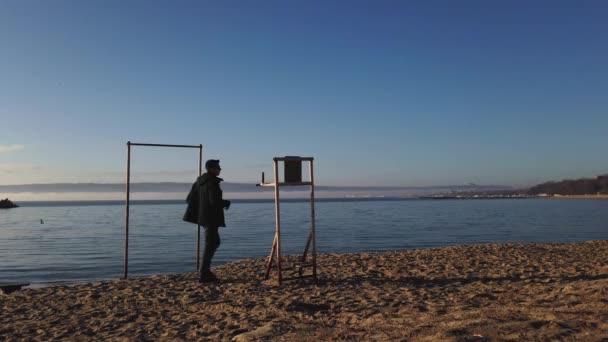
(208, 277)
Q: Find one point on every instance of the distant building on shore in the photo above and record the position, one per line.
(602, 183)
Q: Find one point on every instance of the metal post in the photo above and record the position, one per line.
(198, 231)
(278, 218)
(312, 227)
(126, 266)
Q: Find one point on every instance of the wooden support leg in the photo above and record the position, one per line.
(279, 274)
(313, 223)
(270, 257)
(307, 246)
(277, 203)
(314, 255)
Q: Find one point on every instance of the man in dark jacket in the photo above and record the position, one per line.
(210, 214)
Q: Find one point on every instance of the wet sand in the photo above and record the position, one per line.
(465, 293)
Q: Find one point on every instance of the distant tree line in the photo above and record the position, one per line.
(7, 204)
(583, 186)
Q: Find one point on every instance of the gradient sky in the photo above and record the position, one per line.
(379, 92)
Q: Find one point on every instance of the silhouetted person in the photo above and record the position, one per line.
(206, 207)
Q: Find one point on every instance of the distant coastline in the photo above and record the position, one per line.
(60, 203)
(173, 193)
(573, 187)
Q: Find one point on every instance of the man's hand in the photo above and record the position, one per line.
(226, 204)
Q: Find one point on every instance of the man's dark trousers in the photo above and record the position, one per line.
(212, 242)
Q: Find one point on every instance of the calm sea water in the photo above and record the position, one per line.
(85, 242)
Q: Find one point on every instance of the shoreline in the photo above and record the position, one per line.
(89, 281)
(485, 292)
(603, 196)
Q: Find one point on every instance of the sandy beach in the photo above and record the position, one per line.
(465, 293)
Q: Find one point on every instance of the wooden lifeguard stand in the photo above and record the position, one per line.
(292, 177)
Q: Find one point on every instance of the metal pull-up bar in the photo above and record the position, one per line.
(128, 190)
(165, 145)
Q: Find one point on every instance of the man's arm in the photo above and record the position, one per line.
(215, 195)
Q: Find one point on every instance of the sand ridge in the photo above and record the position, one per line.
(464, 293)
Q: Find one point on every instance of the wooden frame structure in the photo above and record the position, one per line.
(128, 192)
(276, 244)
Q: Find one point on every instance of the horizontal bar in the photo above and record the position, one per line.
(293, 158)
(284, 184)
(163, 145)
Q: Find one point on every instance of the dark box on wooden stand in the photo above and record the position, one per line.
(293, 171)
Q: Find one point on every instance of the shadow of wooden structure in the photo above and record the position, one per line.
(292, 177)
(128, 193)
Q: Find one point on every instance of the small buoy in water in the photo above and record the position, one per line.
(41, 222)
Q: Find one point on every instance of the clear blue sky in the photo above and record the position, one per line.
(380, 93)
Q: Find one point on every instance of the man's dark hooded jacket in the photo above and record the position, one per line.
(210, 206)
